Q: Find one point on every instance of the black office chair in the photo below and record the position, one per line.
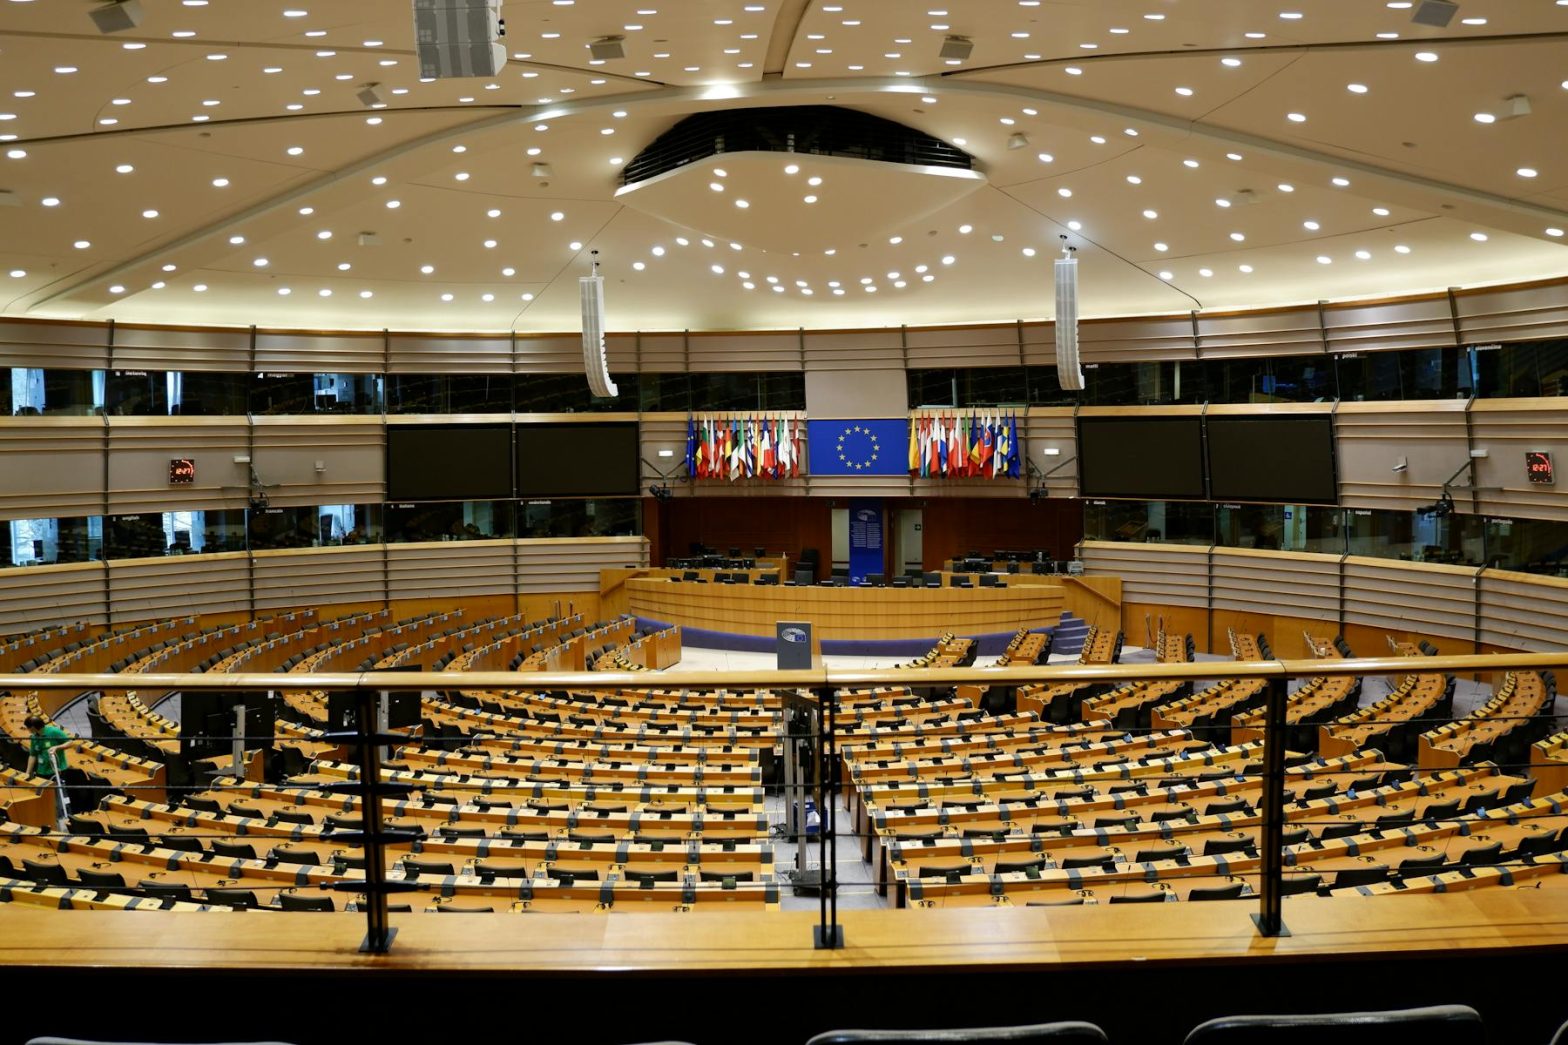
(291, 902)
(1435, 1025)
(876, 580)
(239, 899)
(1066, 1033)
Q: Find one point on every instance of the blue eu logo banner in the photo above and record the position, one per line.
(872, 447)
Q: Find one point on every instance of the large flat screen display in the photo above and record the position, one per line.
(578, 460)
(1265, 458)
(1150, 458)
(449, 462)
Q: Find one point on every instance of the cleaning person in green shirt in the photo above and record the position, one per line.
(46, 755)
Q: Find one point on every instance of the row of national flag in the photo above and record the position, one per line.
(742, 447)
(965, 446)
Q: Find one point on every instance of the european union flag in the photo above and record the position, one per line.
(867, 447)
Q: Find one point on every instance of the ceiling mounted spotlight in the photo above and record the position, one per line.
(1018, 141)
(1436, 13)
(116, 18)
(371, 96)
(542, 170)
(607, 48)
(957, 48)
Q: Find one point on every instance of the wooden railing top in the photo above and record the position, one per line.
(809, 679)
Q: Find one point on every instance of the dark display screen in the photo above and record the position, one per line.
(1148, 458)
(578, 460)
(449, 462)
(1289, 460)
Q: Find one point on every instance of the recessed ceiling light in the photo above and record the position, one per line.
(1064, 192)
(394, 204)
(814, 181)
(427, 269)
(324, 234)
(1381, 212)
(1244, 268)
(1286, 186)
(1133, 179)
(446, 297)
(18, 273)
(50, 201)
(1151, 214)
(1167, 275)
(1162, 247)
(1238, 237)
(809, 199)
(1230, 62)
(220, 183)
(1205, 273)
(1527, 172)
(1222, 202)
(1364, 255)
(1479, 237)
(124, 168)
(16, 154)
(306, 212)
(1341, 182)
(1485, 117)
(1310, 226)
(558, 216)
(344, 266)
(1324, 259)
(1190, 163)
(1185, 92)
(149, 214)
(1046, 157)
(1554, 231)
(1296, 117)
(1356, 88)
(294, 150)
(1426, 56)
(260, 263)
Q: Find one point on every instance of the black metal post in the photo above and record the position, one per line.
(829, 934)
(1270, 917)
(379, 933)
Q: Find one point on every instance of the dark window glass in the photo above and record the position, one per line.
(570, 394)
(315, 394)
(139, 536)
(1168, 522)
(42, 542)
(1045, 388)
(31, 392)
(1281, 527)
(1421, 373)
(1536, 368)
(1415, 537)
(782, 390)
(1286, 379)
(592, 518)
(724, 392)
(1529, 545)
(992, 386)
(1143, 384)
(932, 388)
(449, 393)
(665, 392)
(213, 395)
(448, 521)
(137, 393)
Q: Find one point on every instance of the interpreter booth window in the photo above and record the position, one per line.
(1152, 522)
(1415, 537)
(1144, 384)
(33, 392)
(141, 535)
(747, 391)
(665, 393)
(1527, 545)
(169, 393)
(620, 517)
(1045, 387)
(1526, 369)
(1281, 527)
(43, 542)
(1278, 379)
(1419, 373)
(447, 521)
(986, 386)
(449, 393)
(315, 394)
(570, 394)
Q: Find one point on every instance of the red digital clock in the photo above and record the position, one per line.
(1538, 467)
(182, 471)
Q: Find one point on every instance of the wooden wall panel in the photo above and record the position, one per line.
(1278, 332)
(155, 589)
(454, 354)
(662, 353)
(1039, 343)
(1372, 437)
(620, 352)
(768, 351)
(1053, 428)
(1425, 597)
(1388, 326)
(933, 347)
(351, 451)
(32, 597)
(1506, 429)
(164, 348)
(1523, 313)
(1163, 574)
(1286, 635)
(51, 467)
(140, 449)
(1138, 339)
(853, 350)
(314, 576)
(320, 353)
(1524, 611)
(574, 565)
(1139, 619)
(451, 569)
(725, 522)
(1294, 584)
(953, 527)
(44, 344)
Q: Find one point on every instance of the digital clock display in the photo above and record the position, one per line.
(182, 471)
(1538, 467)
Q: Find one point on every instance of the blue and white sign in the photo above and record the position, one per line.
(865, 538)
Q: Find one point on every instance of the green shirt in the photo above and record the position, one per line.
(42, 743)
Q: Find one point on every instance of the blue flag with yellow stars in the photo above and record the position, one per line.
(864, 447)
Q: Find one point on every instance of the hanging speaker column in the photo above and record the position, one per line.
(1069, 369)
(596, 363)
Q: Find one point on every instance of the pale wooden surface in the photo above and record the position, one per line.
(1479, 921)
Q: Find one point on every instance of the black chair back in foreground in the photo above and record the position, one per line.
(1434, 1025)
(1065, 1033)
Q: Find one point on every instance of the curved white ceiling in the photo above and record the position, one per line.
(206, 174)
